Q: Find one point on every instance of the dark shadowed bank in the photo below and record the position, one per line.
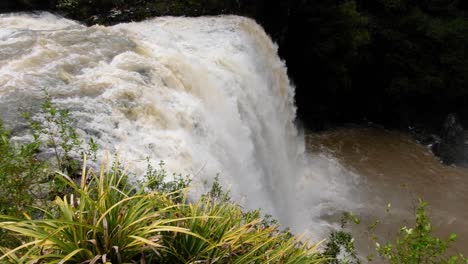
(401, 64)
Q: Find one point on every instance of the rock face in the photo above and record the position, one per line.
(453, 146)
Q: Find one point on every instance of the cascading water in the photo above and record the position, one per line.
(207, 96)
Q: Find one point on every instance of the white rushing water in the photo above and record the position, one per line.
(207, 96)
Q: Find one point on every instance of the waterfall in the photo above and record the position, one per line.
(208, 96)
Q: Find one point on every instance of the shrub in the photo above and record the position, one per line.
(156, 180)
(56, 130)
(22, 179)
(340, 248)
(19, 171)
(417, 245)
(25, 180)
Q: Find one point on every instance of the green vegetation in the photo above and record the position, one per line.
(413, 245)
(25, 180)
(114, 11)
(340, 248)
(105, 220)
(97, 222)
(395, 62)
(55, 130)
(417, 244)
(19, 170)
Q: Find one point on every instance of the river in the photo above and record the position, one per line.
(396, 170)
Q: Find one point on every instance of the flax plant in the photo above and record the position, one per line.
(103, 221)
(232, 236)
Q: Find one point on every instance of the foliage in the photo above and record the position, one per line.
(101, 221)
(156, 179)
(106, 220)
(67, 4)
(19, 170)
(417, 245)
(22, 179)
(424, 50)
(56, 130)
(340, 248)
(217, 193)
(226, 233)
(114, 11)
(232, 236)
(27, 181)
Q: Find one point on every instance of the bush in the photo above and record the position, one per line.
(156, 180)
(23, 179)
(19, 171)
(340, 248)
(417, 245)
(55, 130)
(27, 181)
(414, 245)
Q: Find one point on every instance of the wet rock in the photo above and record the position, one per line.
(453, 145)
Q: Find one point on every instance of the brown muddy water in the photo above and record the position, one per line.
(396, 170)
